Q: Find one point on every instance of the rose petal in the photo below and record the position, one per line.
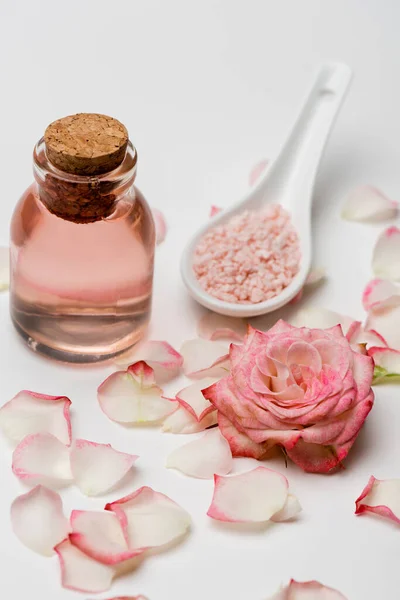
(384, 318)
(213, 326)
(381, 497)
(307, 590)
(257, 171)
(150, 519)
(81, 573)
(97, 468)
(42, 459)
(250, 497)
(192, 399)
(367, 203)
(128, 598)
(29, 413)
(316, 275)
(4, 268)
(132, 397)
(369, 338)
(290, 510)
(321, 318)
(38, 520)
(100, 536)
(240, 443)
(385, 260)
(183, 421)
(165, 361)
(387, 362)
(204, 457)
(214, 210)
(378, 290)
(204, 358)
(160, 224)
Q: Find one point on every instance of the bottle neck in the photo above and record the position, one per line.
(82, 199)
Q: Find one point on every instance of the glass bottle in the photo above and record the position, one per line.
(82, 244)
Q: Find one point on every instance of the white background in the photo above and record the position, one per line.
(206, 89)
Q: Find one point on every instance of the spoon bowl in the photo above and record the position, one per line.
(288, 181)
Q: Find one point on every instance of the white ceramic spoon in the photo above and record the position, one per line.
(288, 181)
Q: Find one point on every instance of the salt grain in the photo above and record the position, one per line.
(250, 258)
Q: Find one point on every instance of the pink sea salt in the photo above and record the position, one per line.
(250, 258)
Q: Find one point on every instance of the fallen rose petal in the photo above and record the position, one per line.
(100, 536)
(316, 275)
(4, 268)
(382, 497)
(385, 260)
(290, 510)
(160, 224)
(42, 459)
(81, 573)
(204, 358)
(150, 519)
(257, 171)
(183, 421)
(377, 291)
(165, 361)
(213, 326)
(29, 413)
(128, 598)
(368, 338)
(203, 457)
(192, 399)
(321, 318)
(131, 396)
(97, 468)
(384, 318)
(307, 590)
(250, 497)
(387, 362)
(38, 521)
(367, 203)
(214, 210)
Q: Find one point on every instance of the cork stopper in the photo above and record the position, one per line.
(86, 144)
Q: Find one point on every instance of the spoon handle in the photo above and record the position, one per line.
(291, 177)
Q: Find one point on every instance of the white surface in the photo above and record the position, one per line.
(289, 180)
(206, 89)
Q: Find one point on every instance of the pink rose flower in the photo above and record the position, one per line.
(304, 389)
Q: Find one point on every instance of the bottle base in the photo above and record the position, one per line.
(79, 355)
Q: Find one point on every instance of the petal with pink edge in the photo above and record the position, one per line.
(213, 326)
(150, 519)
(250, 497)
(42, 459)
(160, 224)
(29, 412)
(290, 510)
(38, 520)
(307, 590)
(257, 171)
(321, 318)
(203, 457)
(384, 319)
(214, 210)
(240, 443)
(4, 268)
(100, 536)
(183, 421)
(81, 573)
(126, 397)
(98, 468)
(204, 358)
(385, 260)
(165, 361)
(192, 399)
(387, 362)
(128, 598)
(382, 497)
(377, 291)
(367, 203)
